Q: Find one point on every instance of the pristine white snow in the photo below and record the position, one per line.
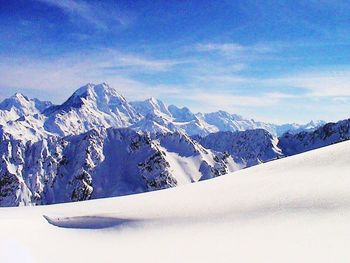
(295, 209)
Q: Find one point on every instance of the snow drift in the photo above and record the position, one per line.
(289, 210)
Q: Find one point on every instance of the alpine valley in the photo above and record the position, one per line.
(97, 144)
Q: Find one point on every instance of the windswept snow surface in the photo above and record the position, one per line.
(295, 209)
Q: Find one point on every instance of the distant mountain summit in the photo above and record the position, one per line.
(19, 105)
(151, 106)
(295, 128)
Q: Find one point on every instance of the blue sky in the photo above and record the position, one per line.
(277, 61)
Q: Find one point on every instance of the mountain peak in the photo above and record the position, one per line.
(315, 123)
(19, 95)
(18, 106)
(153, 100)
(18, 100)
(91, 106)
(181, 114)
(97, 90)
(151, 106)
(224, 114)
(100, 95)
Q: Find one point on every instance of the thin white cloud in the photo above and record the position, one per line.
(70, 72)
(128, 60)
(225, 47)
(229, 101)
(97, 15)
(224, 79)
(322, 83)
(234, 48)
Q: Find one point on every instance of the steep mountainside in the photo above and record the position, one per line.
(304, 141)
(248, 147)
(102, 163)
(257, 146)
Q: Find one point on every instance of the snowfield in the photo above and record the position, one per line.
(295, 209)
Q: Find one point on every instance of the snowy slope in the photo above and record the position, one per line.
(295, 209)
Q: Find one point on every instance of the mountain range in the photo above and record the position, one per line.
(95, 106)
(97, 144)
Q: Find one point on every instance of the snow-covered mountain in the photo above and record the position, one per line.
(250, 147)
(151, 106)
(18, 106)
(225, 121)
(327, 134)
(181, 114)
(295, 128)
(158, 117)
(102, 163)
(97, 144)
(95, 106)
(90, 107)
(253, 147)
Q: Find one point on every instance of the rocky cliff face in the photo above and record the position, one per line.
(305, 141)
(101, 163)
(248, 147)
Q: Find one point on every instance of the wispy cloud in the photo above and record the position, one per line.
(225, 79)
(120, 60)
(231, 102)
(225, 47)
(70, 71)
(233, 48)
(97, 15)
(320, 83)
